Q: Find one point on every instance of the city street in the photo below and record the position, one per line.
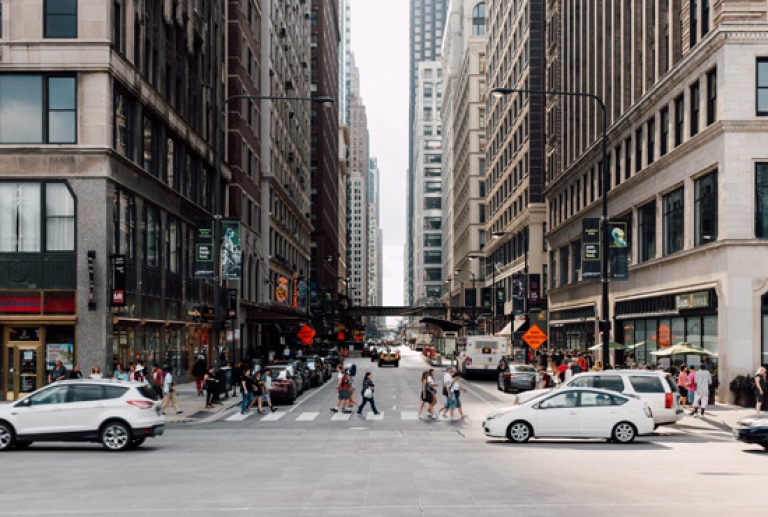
(306, 460)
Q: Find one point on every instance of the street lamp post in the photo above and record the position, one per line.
(218, 323)
(604, 321)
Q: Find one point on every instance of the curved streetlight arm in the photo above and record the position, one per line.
(605, 306)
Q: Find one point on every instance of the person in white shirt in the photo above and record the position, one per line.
(169, 392)
(457, 389)
(701, 396)
(447, 381)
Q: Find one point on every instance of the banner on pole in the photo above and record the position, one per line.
(231, 261)
(591, 249)
(204, 248)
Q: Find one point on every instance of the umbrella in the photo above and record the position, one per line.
(617, 346)
(683, 349)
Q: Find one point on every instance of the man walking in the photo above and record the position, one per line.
(447, 381)
(169, 392)
(701, 397)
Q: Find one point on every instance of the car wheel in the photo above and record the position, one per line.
(115, 436)
(519, 432)
(6, 436)
(136, 442)
(624, 432)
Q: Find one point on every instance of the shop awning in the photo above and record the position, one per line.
(507, 330)
(445, 325)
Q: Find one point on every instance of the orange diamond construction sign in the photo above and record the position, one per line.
(534, 337)
(306, 335)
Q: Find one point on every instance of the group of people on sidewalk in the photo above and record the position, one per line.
(345, 390)
(451, 387)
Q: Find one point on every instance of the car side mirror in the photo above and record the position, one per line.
(536, 406)
(23, 403)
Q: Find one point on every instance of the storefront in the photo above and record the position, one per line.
(36, 327)
(658, 322)
(572, 329)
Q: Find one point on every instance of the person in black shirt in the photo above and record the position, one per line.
(246, 391)
(76, 373)
(761, 386)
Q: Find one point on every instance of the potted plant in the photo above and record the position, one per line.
(743, 388)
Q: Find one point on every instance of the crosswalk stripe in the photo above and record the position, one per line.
(371, 416)
(341, 416)
(307, 416)
(274, 417)
(238, 417)
(409, 415)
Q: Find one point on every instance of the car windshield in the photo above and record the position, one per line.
(524, 369)
(278, 373)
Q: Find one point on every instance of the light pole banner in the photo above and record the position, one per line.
(231, 262)
(204, 248)
(591, 250)
(618, 250)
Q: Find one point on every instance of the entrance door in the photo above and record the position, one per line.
(25, 369)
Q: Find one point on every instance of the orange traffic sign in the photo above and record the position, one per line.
(306, 335)
(535, 337)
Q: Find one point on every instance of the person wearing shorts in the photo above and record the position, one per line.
(266, 381)
(342, 390)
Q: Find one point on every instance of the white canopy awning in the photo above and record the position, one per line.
(507, 330)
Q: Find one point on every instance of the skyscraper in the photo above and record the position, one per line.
(427, 18)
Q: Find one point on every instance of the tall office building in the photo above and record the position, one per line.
(345, 57)
(427, 219)
(285, 156)
(374, 242)
(357, 197)
(684, 86)
(463, 183)
(327, 262)
(427, 18)
(515, 207)
(108, 119)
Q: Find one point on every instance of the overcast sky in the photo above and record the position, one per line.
(380, 44)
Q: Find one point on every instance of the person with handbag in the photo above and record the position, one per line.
(368, 389)
(210, 383)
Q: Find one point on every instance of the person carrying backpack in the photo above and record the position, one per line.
(342, 388)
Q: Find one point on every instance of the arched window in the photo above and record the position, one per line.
(478, 20)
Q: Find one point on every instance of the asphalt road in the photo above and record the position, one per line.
(307, 461)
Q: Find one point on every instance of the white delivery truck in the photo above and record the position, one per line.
(481, 354)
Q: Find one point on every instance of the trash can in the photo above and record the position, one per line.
(225, 379)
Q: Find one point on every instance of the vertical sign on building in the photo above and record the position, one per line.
(118, 280)
(231, 268)
(91, 271)
(204, 248)
(618, 250)
(534, 291)
(590, 249)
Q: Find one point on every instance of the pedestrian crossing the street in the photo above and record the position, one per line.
(313, 416)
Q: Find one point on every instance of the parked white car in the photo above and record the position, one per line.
(573, 413)
(656, 388)
(118, 414)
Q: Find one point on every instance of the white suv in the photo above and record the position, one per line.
(118, 414)
(656, 388)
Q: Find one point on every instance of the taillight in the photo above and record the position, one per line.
(668, 399)
(142, 404)
(510, 376)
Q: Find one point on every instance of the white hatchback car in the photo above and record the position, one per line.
(573, 413)
(118, 414)
(656, 388)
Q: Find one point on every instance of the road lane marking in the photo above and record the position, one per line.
(307, 416)
(296, 405)
(409, 415)
(341, 416)
(274, 416)
(238, 417)
(371, 416)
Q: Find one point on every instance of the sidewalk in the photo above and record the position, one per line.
(720, 416)
(193, 408)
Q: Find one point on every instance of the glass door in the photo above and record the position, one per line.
(28, 368)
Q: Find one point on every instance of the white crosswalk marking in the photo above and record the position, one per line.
(371, 416)
(273, 417)
(238, 417)
(409, 415)
(341, 416)
(307, 416)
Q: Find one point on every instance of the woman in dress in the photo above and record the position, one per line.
(427, 394)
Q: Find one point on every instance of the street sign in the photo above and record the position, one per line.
(534, 337)
(306, 335)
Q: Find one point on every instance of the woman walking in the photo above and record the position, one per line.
(682, 381)
(246, 391)
(760, 388)
(457, 388)
(211, 387)
(427, 394)
(368, 389)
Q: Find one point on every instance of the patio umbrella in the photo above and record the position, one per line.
(683, 349)
(613, 345)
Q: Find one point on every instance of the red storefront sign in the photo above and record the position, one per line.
(30, 304)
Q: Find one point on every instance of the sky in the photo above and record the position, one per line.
(379, 33)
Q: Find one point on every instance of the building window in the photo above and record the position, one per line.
(37, 109)
(432, 223)
(638, 150)
(673, 220)
(1, 18)
(646, 230)
(576, 261)
(761, 200)
(711, 96)
(706, 209)
(173, 245)
(694, 22)
(432, 187)
(564, 265)
(762, 86)
(651, 139)
(704, 17)
(118, 26)
(627, 161)
(478, 20)
(149, 146)
(695, 108)
(60, 19)
(553, 268)
(664, 137)
(617, 169)
(152, 236)
(30, 211)
(433, 240)
(124, 218)
(433, 257)
(680, 119)
(432, 274)
(432, 203)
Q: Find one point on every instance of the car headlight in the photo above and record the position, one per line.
(498, 414)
